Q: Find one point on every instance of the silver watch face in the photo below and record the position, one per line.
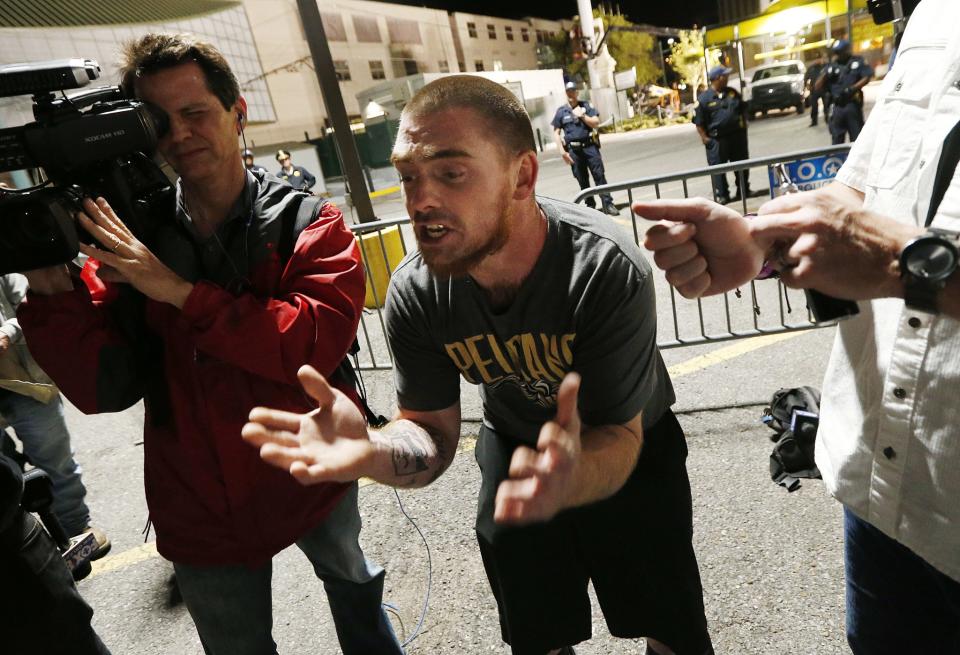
(931, 259)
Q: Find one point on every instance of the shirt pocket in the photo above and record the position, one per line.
(902, 111)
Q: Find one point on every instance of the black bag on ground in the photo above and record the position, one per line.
(793, 415)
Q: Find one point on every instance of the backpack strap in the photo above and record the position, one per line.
(292, 224)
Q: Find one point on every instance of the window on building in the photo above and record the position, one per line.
(367, 29)
(402, 30)
(508, 31)
(541, 37)
(478, 65)
(525, 34)
(472, 30)
(491, 30)
(333, 27)
(443, 66)
(342, 70)
(376, 70)
(410, 67)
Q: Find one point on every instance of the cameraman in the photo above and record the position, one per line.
(41, 611)
(207, 322)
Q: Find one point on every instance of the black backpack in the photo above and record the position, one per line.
(293, 223)
(793, 415)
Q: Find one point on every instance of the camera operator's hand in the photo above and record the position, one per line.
(126, 259)
(4, 343)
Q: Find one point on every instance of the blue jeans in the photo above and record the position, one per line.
(232, 605)
(46, 443)
(896, 602)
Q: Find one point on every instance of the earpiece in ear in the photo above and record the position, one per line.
(239, 122)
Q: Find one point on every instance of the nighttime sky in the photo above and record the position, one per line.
(671, 13)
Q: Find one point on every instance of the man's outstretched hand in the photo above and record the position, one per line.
(329, 444)
(542, 481)
(703, 247)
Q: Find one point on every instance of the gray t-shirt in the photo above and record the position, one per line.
(587, 306)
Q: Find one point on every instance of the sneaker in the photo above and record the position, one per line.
(103, 542)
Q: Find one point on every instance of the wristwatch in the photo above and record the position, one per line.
(925, 264)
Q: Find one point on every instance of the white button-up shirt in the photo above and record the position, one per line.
(889, 439)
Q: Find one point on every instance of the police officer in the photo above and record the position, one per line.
(817, 97)
(721, 120)
(845, 78)
(573, 125)
(297, 176)
(248, 162)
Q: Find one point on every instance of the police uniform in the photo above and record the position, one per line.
(580, 147)
(817, 98)
(257, 170)
(299, 178)
(846, 117)
(722, 115)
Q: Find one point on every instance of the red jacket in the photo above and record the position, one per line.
(201, 369)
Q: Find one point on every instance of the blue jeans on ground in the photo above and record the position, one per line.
(46, 443)
(896, 602)
(232, 605)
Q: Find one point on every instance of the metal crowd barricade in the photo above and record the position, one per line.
(764, 307)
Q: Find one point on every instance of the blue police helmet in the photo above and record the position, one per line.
(841, 45)
(717, 71)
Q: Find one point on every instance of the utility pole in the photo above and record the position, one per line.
(333, 101)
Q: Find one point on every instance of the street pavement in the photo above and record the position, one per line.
(771, 562)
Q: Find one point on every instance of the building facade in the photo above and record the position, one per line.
(265, 44)
(99, 29)
(485, 43)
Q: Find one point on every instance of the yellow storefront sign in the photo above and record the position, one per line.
(783, 17)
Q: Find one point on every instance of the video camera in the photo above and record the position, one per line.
(95, 143)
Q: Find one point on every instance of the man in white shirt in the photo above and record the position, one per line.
(885, 233)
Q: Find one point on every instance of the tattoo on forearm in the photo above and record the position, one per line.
(415, 450)
(409, 451)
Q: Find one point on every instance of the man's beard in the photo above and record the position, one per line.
(441, 265)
